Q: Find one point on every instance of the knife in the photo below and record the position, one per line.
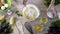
(28, 27)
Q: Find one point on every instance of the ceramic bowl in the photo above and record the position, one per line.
(9, 5)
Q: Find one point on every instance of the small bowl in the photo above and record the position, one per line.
(31, 5)
(38, 28)
(9, 5)
(45, 20)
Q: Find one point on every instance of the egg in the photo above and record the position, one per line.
(6, 5)
(3, 7)
(43, 20)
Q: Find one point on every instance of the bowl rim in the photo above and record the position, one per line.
(35, 7)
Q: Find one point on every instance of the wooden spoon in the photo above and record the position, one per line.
(52, 7)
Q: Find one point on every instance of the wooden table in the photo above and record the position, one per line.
(17, 5)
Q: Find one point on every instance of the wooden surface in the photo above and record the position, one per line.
(17, 5)
(40, 4)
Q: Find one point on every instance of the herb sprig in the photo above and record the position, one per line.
(18, 13)
(5, 28)
(54, 28)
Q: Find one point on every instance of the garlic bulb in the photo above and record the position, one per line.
(3, 7)
(6, 5)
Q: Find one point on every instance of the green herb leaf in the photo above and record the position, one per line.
(19, 14)
(56, 23)
(47, 2)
